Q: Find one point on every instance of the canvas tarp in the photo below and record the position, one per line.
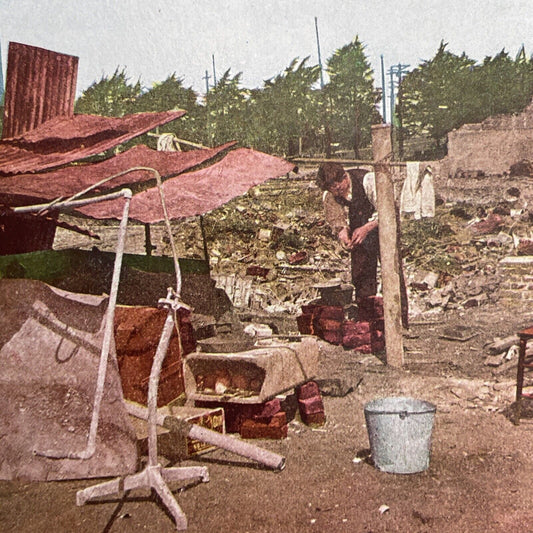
(27, 188)
(63, 140)
(198, 192)
(50, 343)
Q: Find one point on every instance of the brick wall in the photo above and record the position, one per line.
(517, 273)
(492, 145)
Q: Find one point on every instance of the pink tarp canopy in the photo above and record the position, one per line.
(200, 191)
(26, 188)
(63, 140)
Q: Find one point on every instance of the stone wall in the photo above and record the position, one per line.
(517, 275)
(491, 146)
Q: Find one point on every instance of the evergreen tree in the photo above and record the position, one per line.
(225, 106)
(110, 97)
(285, 109)
(352, 96)
(171, 94)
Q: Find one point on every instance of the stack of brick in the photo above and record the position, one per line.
(310, 404)
(269, 423)
(324, 321)
(137, 333)
(266, 420)
(517, 279)
(365, 335)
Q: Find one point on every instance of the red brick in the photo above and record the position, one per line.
(314, 419)
(269, 409)
(275, 429)
(234, 414)
(305, 323)
(354, 341)
(334, 337)
(311, 405)
(355, 328)
(307, 390)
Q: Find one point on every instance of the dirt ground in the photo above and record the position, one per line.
(478, 480)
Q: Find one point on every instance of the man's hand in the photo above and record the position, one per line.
(344, 237)
(359, 234)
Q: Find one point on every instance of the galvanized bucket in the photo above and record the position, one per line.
(399, 431)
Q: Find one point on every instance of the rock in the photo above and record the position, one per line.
(501, 345)
(495, 360)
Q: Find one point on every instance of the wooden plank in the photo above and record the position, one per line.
(388, 243)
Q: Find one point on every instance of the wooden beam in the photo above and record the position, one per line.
(318, 160)
(181, 141)
(388, 245)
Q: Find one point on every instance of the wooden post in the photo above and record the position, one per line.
(388, 244)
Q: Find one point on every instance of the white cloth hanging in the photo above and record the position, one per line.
(410, 186)
(418, 191)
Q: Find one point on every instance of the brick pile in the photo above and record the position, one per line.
(310, 404)
(269, 420)
(364, 334)
(137, 334)
(266, 420)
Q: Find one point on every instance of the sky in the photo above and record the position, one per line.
(152, 39)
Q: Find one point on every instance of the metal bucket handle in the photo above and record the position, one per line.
(402, 414)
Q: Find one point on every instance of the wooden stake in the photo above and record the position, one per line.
(388, 244)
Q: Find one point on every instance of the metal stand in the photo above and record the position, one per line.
(154, 475)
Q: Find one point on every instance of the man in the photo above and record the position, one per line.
(355, 191)
(358, 228)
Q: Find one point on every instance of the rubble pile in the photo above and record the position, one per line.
(270, 249)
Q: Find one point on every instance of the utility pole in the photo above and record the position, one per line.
(206, 78)
(214, 72)
(400, 70)
(383, 91)
(391, 81)
(327, 131)
(1, 79)
(397, 70)
(319, 57)
(207, 124)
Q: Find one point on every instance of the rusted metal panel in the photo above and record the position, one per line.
(30, 188)
(40, 85)
(26, 233)
(198, 192)
(63, 140)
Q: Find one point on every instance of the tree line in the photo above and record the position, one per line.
(294, 113)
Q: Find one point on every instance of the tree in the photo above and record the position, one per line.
(450, 90)
(225, 106)
(352, 96)
(285, 109)
(110, 97)
(503, 86)
(171, 94)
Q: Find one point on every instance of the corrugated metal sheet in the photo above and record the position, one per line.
(198, 192)
(63, 140)
(28, 188)
(26, 233)
(40, 85)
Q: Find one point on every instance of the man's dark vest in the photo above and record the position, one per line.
(360, 208)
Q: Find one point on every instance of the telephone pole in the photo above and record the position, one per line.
(214, 72)
(396, 119)
(1, 79)
(383, 91)
(208, 122)
(206, 78)
(319, 57)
